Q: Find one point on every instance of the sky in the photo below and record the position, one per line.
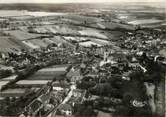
(75, 1)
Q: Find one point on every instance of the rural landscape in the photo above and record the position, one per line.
(82, 60)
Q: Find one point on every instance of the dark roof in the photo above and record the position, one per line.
(44, 97)
(35, 105)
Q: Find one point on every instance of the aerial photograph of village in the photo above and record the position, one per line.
(82, 59)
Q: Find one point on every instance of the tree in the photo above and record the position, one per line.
(84, 111)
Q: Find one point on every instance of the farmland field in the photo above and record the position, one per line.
(3, 83)
(8, 45)
(30, 45)
(13, 92)
(15, 13)
(9, 78)
(38, 42)
(21, 35)
(145, 21)
(88, 44)
(33, 82)
(92, 32)
(41, 77)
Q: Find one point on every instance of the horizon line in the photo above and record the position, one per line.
(78, 2)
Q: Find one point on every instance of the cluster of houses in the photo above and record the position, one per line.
(52, 75)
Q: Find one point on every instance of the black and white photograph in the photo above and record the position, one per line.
(82, 58)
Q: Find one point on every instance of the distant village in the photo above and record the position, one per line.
(78, 65)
